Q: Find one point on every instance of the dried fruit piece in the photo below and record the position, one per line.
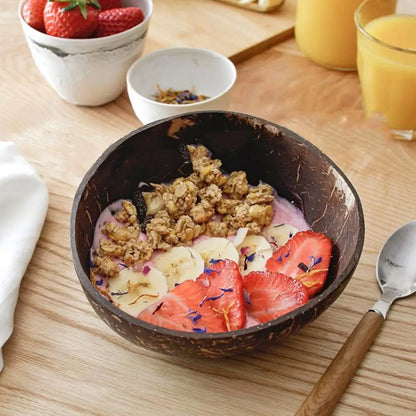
(140, 205)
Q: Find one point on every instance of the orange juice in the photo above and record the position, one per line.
(325, 32)
(387, 73)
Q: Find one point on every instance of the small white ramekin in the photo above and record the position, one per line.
(183, 68)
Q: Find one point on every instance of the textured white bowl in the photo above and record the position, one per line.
(183, 68)
(93, 71)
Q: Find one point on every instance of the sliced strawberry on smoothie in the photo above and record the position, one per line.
(305, 257)
(270, 295)
(223, 281)
(212, 303)
(183, 309)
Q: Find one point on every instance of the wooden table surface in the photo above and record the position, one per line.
(63, 360)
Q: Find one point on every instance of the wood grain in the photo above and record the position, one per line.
(265, 6)
(324, 397)
(63, 360)
(221, 27)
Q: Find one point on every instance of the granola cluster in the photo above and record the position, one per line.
(206, 202)
(122, 242)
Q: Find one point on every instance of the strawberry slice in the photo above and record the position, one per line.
(305, 257)
(182, 309)
(224, 285)
(270, 295)
(212, 303)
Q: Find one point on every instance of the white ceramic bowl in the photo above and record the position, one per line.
(93, 71)
(183, 68)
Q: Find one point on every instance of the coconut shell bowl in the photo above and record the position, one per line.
(267, 152)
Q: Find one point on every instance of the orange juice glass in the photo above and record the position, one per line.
(325, 32)
(387, 63)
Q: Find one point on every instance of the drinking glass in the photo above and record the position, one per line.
(386, 61)
(325, 32)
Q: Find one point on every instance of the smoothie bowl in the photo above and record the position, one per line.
(213, 233)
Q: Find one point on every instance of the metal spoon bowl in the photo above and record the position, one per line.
(396, 272)
(396, 276)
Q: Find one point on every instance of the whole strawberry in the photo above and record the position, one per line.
(32, 13)
(114, 21)
(71, 19)
(110, 4)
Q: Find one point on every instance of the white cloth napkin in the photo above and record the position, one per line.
(23, 205)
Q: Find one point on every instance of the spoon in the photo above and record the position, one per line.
(396, 276)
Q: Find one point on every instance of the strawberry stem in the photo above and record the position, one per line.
(82, 4)
(83, 8)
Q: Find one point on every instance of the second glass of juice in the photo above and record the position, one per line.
(325, 32)
(386, 60)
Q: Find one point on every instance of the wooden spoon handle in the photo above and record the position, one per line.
(324, 396)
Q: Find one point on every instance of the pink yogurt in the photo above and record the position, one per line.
(287, 213)
(284, 213)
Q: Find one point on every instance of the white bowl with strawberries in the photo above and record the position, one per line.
(84, 48)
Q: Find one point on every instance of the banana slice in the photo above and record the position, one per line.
(134, 291)
(217, 248)
(179, 264)
(240, 236)
(279, 234)
(255, 251)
